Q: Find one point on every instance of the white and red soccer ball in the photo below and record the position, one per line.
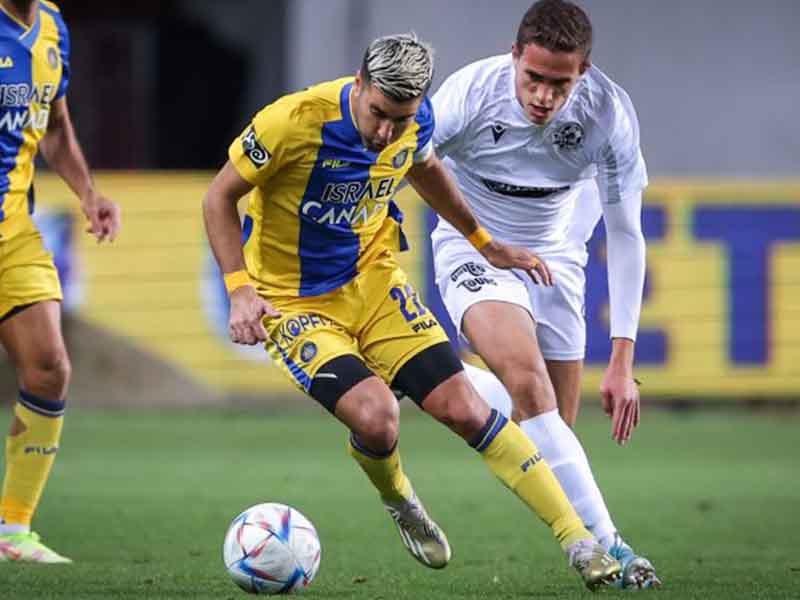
(271, 549)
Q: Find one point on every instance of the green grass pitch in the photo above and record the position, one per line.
(141, 501)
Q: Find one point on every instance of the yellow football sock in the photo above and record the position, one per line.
(385, 472)
(29, 457)
(515, 460)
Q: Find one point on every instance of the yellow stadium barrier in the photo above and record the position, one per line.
(721, 317)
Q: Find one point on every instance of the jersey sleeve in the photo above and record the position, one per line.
(63, 51)
(626, 263)
(621, 177)
(426, 122)
(621, 170)
(262, 147)
(451, 107)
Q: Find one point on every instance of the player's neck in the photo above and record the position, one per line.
(353, 116)
(23, 11)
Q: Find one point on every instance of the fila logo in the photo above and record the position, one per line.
(45, 450)
(498, 131)
(6, 62)
(532, 461)
(334, 163)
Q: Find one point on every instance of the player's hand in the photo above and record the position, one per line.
(515, 257)
(104, 216)
(245, 324)
(620, 395)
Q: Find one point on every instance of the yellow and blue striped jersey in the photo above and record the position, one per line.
(322, 207)
(34, 71)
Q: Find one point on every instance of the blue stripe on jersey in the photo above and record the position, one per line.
(247, 229)
(29, 38)
(426, 122)
(11, 136)
(9, 27)
(63, 48)
(397, 214)
(329, 251)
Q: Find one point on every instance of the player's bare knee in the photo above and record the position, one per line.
(459, 408)
(465, 420)
(48, 375)
(378, 424)
(532, 393)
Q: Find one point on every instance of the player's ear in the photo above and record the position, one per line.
(516, 51)
(358, 83)
(587, 62)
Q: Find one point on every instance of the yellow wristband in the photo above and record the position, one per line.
(479, 238)
(235, 280)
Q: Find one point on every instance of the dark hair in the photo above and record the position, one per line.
(556, 25)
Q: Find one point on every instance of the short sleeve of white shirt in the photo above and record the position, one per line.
(452, 106)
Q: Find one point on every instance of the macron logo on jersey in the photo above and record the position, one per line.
(497, 131)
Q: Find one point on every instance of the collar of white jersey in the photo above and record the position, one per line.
(520, 113)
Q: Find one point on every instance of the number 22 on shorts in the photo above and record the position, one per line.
(402, 296)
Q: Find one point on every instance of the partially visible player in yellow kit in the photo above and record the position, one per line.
(34, 73)
(318, 281)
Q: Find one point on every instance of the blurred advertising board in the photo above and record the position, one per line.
(721, 316)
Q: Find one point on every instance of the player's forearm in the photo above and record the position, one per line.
(224, 230)
(435, 185)
(626, 265)
(63, 154)
(626, 270)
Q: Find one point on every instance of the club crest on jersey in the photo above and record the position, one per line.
(400, 159)
(568, 136)
(52, 57)
(253, 149)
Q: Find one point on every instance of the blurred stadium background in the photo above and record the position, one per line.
(158, 91)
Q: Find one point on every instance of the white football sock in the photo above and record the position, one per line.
(561, 449)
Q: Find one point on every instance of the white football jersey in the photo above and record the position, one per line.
(545, 187)
(522, 180)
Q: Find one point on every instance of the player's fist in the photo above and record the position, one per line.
(515, 257)
(245, 324)
(104, 216)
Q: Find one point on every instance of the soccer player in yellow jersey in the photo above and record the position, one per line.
(318, 281)
(34, 73)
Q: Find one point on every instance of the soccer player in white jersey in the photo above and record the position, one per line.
(540, 142)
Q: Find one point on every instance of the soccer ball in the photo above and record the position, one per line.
(271, 549)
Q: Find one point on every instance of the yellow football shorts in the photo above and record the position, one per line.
(27, 272)
(377, 316)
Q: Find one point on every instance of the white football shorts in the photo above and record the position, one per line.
(465, 277)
